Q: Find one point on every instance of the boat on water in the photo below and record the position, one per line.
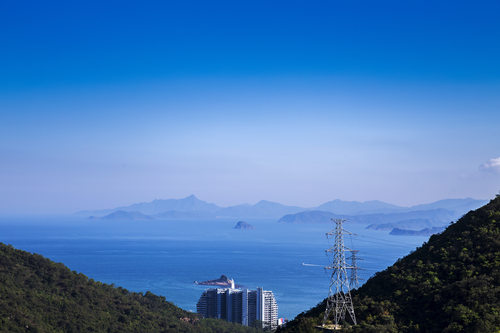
(223, 282)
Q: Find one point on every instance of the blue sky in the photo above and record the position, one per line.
(296, 102)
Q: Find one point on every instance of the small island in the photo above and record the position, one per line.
(243, 226)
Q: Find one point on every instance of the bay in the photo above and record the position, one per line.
(166, 257)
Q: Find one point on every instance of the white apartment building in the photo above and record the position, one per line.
(241, 306)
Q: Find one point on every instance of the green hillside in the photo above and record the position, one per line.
(38, 295)
(450, 284)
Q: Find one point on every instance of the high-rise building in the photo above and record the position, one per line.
(241, 306)
(268, 307)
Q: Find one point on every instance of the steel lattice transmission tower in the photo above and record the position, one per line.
(354, 279)
(339, 297)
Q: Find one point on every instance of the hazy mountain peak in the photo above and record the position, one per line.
(267, 203)
(338, 206)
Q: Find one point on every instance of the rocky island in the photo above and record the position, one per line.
(243, 226)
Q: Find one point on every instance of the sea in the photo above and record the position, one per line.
(166, 257)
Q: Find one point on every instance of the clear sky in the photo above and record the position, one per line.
(104, 103)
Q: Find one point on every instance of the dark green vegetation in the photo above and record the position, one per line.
(450, 284)
(38, 295)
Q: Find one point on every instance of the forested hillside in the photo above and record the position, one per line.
(450, 284)
(38, 295)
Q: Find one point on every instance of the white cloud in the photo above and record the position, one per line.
(492, 165)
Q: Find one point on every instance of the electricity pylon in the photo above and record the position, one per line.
(354, 279)
(339, 297)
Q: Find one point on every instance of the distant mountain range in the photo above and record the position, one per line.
(431, 217)
(382, 216)
(193, 208)
(379, 215)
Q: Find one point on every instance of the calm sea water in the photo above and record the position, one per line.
(165, 257)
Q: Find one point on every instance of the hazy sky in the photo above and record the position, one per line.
(297, 102)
